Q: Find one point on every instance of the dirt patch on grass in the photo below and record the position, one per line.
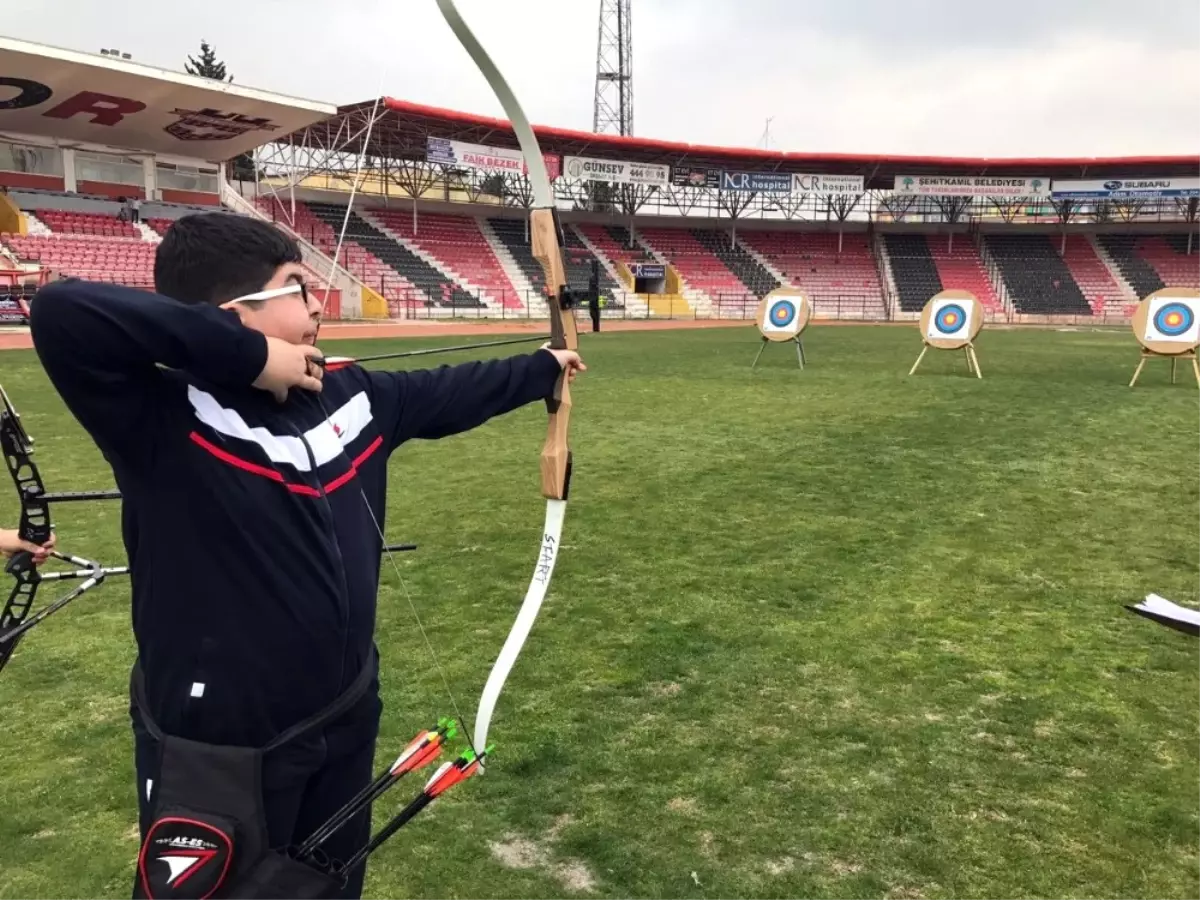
(517, 852)
(665, 688)
(684, 805)
(782, 866)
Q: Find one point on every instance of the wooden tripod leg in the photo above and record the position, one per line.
(974, 359)
(919, 358)
(759, 353)
(1196, 368)
(1137, 371)
(799, 352)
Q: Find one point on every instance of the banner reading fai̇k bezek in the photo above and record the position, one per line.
(972, 186)
(616, 171)
(487, 159)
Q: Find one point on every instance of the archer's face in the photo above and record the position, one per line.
(292, 317)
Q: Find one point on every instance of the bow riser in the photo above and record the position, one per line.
(31, 490)
(35, 526)
(556, 453)
(543, 240)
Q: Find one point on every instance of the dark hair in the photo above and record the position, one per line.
(215, 257)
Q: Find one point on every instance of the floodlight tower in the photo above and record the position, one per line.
(612, 112)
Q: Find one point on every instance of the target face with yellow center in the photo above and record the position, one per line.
(950, 320)
(783, 314)
(1173, 319)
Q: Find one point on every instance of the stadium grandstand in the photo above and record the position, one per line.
(99, 155)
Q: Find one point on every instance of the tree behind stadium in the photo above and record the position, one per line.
(241, 168)
(207, 66)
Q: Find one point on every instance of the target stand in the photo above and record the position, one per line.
(951, 320)
(1167, 325)
(782, 317)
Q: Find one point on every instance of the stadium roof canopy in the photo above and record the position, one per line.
(72, 97)
(402, 129)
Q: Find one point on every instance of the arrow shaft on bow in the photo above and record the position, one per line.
(337, 362)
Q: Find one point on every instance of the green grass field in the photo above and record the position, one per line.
(833, 633)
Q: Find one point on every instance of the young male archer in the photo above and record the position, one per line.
(243, 466)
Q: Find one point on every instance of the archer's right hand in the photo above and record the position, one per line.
(289, 366)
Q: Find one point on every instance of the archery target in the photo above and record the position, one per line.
(1167, 322)
(1173, 319)
(783, 314)
(950, 320)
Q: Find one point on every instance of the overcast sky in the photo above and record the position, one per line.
(953, 77)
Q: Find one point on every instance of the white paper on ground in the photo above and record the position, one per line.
(1160, 606)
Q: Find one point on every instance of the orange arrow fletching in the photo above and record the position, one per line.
(450, 774)
(420, 752)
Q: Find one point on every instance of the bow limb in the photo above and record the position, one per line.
(556, 452)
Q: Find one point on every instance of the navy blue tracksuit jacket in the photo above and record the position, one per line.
(254, 560)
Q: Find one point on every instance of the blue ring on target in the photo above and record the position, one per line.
(950, 319)
(782, 313)
(1174, 319)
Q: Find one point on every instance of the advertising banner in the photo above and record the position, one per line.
(761, 182)
(828, 185)
(12, 313)
(694, 176)
(1124, 188)
(649, 270)
(486, 159)
(615, 171)
(972, 186)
